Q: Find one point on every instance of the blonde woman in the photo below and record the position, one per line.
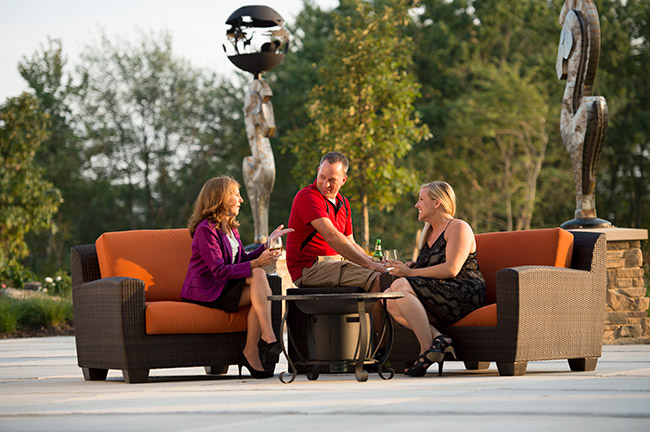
(444, 284)
(222, 275)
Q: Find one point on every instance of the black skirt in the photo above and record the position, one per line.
(229, 298)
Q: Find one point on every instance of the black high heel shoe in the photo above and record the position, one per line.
(269, 351)
(242, 361)
(440, 351)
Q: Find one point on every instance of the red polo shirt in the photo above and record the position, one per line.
(304, 244)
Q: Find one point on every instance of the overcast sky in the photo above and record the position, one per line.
(197, 28)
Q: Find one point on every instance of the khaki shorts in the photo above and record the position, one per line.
(333, 271)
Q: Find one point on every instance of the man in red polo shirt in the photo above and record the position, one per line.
(322, 237)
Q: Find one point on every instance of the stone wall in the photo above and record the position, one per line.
(627, 319)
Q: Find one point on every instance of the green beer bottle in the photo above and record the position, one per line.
(377, 255)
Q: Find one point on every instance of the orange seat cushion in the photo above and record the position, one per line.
(481, 317)
(499, 250)
(172, 317)
(158, 257)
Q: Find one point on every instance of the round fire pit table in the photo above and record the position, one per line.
(340, 304)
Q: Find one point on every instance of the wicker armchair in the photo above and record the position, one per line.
(543, 313)
(109, 320)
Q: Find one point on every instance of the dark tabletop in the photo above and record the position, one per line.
(339, 296)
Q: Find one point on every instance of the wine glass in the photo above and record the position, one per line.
(275, 244)
(390, 254)
(275, 247)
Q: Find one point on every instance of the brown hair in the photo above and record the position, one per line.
(211, 204)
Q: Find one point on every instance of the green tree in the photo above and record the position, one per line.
(218, 149)
(364, 106)
(502, 139)
(156, 128)
(483, 69)
(623, 186)
(137, 110)
(60, 156)
(292, 82)
(28, 202)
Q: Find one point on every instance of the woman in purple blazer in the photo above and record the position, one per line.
(222, 275)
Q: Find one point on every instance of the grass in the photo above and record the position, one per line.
(9, 315)
(40, 312)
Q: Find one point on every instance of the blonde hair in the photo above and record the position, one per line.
(211, 204)
(443, 192)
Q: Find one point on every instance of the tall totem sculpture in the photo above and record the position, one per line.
(583, 121)
(256, 56)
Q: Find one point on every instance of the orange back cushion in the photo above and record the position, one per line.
(499, 250)
(158, 257)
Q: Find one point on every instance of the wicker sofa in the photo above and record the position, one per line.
(535, 309)
(128, 314)
(545, 300)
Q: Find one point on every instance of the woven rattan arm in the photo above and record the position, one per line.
(107, 312)
(589, 252)
(84, 265)
(551, 312)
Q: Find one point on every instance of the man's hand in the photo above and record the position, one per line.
(376, 266)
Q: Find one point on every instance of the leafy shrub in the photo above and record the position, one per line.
(15, 275)
(39, 311)
(60, 285)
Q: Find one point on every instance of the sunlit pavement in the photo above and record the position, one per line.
(42, 389)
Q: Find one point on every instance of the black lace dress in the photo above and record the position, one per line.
(448, 300)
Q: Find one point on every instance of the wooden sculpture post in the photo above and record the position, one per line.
(583, 121)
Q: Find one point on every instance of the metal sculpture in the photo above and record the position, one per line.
(584, 117)
(259, 169)
(256, 53)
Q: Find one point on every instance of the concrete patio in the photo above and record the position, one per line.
(42, 389)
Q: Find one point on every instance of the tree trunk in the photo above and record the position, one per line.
(365, 230)
(532, 176)
(130, 202)
(507, 190)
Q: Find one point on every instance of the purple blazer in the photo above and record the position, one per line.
(211, 265)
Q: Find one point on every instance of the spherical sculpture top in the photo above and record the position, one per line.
(256, 39)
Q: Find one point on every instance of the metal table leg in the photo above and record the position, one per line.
(388, 325)
(284, 348)
(362, 375)
(312, 371)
